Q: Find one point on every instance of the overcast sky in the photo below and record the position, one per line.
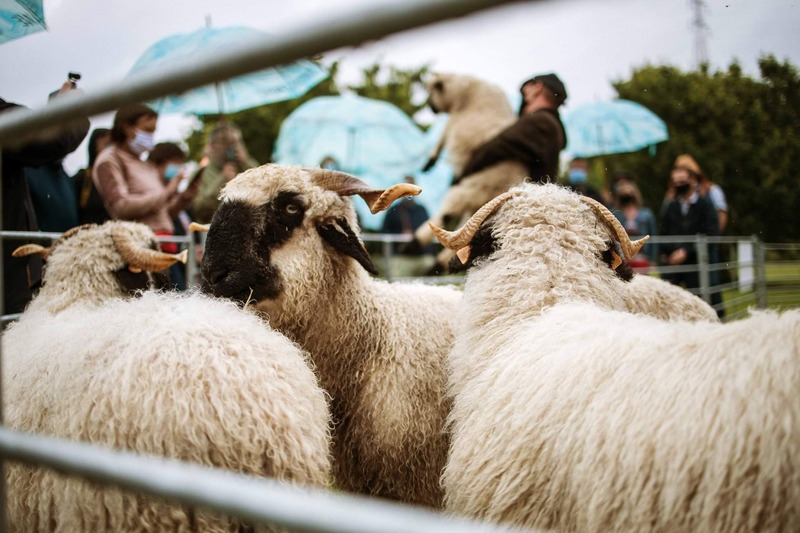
(588, 43)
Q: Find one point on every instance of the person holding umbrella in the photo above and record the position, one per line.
(535, 139)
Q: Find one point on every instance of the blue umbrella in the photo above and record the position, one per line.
(615, 127)
(251, 90)
(19, 18)
(371, 139)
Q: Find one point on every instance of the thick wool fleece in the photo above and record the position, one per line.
(477, 111)
(587, 419)
(185, 377)
(379, 349)
(661, 299)
(80, 269)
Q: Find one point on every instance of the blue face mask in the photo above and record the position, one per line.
(577, 175)
(171, 171)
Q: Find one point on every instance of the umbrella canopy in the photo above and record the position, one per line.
(614, 127)
(19, 18)
(371, 139)
(251, 90)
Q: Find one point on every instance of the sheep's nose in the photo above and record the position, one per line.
(219, 276)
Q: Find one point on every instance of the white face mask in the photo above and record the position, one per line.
(142, 142)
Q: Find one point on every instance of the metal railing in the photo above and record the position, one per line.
(749, 274)
(334, 30)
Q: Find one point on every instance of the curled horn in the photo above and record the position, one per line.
(629, 248)
(30, 249)
(139, 257)
(456, 240)
(196, 226)
(346, 185)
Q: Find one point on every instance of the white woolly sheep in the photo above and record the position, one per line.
(182, 376)
(570, 413)
(95, 263)
(286, 239)
(477, 111)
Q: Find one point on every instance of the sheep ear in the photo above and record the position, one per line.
(341, 238)
(346, 185)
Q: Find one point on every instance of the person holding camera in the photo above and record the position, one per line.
(21, 275)
(227, 156)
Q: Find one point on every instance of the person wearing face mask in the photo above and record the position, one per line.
(169, 158)
(132, 188)
(687, 213)
(637, 220)
(578, 180)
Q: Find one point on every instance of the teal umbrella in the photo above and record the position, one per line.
(372, 139)
(19, 18)
(251, 90)
(615, 127)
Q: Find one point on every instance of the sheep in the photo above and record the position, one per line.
(90, 264)
(285, 239)
(477, 111)
(571, 413)
(187, 377)
(661, 299)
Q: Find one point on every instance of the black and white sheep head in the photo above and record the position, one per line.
(448, 93)
(545, 225)
(287, 232)
(91, 264)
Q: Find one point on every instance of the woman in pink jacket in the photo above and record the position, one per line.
(132, 188)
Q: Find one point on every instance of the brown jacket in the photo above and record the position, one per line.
(534, 140)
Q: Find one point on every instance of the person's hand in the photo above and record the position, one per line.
(67, 87)
(192, 190)
(242, 157)
(229, 171)
(173, 184)
(678, 257)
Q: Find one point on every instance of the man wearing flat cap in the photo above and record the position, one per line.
(535, 139)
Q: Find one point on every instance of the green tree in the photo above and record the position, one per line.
(744, 132)
(403, 88)
(260, 125)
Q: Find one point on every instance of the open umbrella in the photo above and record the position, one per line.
(19, 18)
(372, 139)
(251, 90)
(614, 127)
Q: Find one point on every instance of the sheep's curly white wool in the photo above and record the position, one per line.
(185, 377)
(574, 414)
(477, 111)
(586, 419)
(379, 348)
(81, 266)
(661, 299)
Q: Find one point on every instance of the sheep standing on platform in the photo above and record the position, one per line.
(286, 239)
(181, 376)
(477, 111)
(573, 414)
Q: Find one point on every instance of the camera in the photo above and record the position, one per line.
(230, 154)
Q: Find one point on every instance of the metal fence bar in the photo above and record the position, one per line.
(260, 500)
(346, 27)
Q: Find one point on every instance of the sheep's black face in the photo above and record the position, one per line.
(483, 245)
(236, 263)
(624, 270)
(135, 283)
